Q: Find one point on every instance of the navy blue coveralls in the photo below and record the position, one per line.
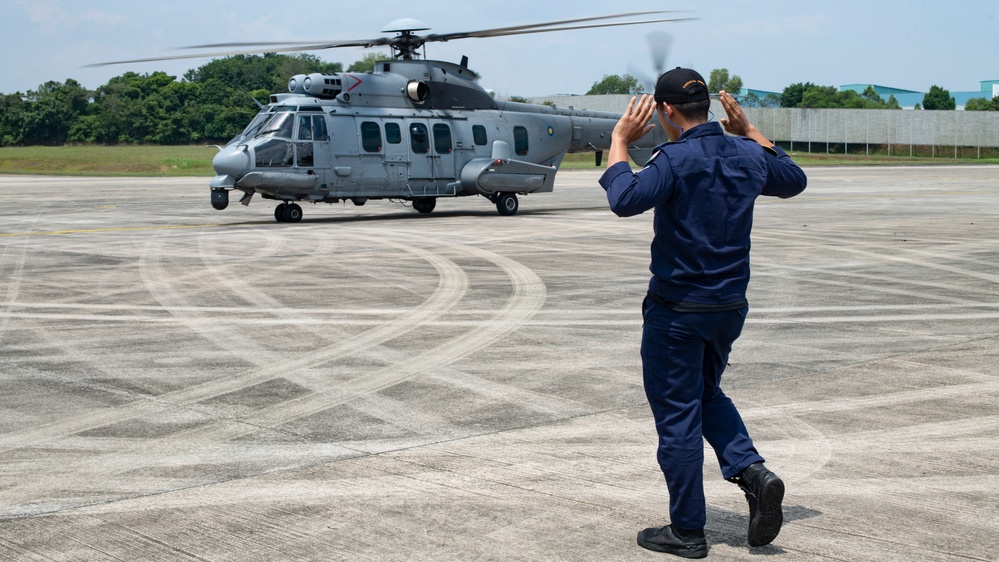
(703, 188)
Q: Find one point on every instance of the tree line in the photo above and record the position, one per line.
(213, 103)
(801, 94)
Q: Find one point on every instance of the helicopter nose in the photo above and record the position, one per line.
(232, 161)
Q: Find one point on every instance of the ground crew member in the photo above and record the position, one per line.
(703, 186)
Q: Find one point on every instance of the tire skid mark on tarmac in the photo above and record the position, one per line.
(452, 285)
(527, 299)
(13, 258)
(223, 272)
(11, 274)
(528, 296)
(904, 256)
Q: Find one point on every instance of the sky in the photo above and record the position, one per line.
(770, 44)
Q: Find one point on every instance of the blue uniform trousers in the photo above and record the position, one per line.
(683, 357)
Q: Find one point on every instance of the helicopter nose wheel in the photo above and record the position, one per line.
(507, 204)
(288, 212)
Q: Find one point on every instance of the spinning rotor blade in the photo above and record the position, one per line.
(405, 43)
(531, 28)
(444, 36)
(585, 27)
(659, 44)
(295, 47)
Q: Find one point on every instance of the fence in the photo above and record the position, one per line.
(964, 134)
(896, 132)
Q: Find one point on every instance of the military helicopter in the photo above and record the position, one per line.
(414, 130)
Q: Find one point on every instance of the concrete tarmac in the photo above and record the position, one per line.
(178, 383)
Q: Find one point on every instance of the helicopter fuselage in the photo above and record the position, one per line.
(412, 130)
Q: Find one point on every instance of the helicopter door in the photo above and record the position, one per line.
(421, 159)
(396, 155)
(313, 142)
(443, 151)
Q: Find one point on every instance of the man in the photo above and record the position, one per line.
(703, 186)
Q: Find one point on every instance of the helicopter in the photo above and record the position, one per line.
(414, 130)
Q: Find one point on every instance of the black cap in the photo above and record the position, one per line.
(681, 85)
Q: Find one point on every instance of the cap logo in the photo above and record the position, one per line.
(689, 82)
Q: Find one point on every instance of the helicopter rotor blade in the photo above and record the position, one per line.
(405, 43)
(291, 49)
(549, 26)
(659, 44)
(618, 24)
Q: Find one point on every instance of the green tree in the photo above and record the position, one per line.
(43, 116)
(614, 84)
(892, 103)
(367, 62)
(751, 100)
(793, 94)
(872, 97)
(12, 108)
(269, 71)
(938, 98)
(771, 100)
(982, 104)
(820, 97)
(720, 80)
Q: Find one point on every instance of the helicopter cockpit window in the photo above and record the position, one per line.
(393, 133)
(304, 127)
(520, 140)
(479, 135)
(273, 153)
(371, 137)
(312, 127)
(279, 125)
(442, 139)
(419, 139)
(253, 127)
(319, 130)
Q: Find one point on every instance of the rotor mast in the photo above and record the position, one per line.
(406, 44)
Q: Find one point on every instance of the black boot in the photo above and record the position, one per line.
(685, 544)
(764, 492)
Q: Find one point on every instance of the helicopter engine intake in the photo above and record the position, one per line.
(322, 86)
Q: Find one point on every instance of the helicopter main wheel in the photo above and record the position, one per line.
(507, 204)
(425, 205)
(288, 212)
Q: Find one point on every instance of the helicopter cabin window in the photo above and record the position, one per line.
(393, 133)
(419, 139)
(442, 139)
(520, 142)
(479, 135)
(371, 136)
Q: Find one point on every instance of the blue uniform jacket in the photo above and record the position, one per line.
(703, 188)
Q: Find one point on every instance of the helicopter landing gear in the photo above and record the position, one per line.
(507, 204)
(288, 212)
(425, 205)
